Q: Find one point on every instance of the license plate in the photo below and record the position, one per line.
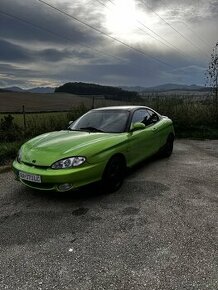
(30, 177)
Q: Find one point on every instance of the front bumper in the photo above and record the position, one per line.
(51, 179)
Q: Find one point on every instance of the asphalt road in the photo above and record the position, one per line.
(159, 231)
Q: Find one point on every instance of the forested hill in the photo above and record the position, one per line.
(93, 89)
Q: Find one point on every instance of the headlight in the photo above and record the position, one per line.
(19, 155)
(68, 162)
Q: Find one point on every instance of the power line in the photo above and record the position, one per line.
(187, 26)
(104, 33)
(169, 44)
(56, 34)
(198, 36)
(102, 3)
(183, 36)
(111, 2)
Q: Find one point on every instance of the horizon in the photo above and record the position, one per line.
(121, 86)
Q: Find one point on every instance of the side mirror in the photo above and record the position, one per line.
(137, 126)
(71, 122)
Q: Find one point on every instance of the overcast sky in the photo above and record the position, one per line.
(150, 42)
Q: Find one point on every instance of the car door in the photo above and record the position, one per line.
(143, 143)
(158, 126)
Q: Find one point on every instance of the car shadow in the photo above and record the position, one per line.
(90, 191)
(143, 164)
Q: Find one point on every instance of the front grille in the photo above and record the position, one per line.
(43, 186)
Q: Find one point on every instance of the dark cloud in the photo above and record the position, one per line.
(16, 53)
(18, 71)
(213, 6)
(51, 54)
(13, 53)
(55, 55)
(47, 24)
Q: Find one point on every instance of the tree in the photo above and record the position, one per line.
(7, 123)
(212, 74)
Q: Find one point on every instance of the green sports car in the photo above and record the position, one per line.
(98, 146)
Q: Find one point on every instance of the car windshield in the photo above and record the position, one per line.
(109, 121)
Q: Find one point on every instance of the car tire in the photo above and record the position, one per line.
(168, 147)
(114, 174)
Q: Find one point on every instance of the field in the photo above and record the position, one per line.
(193, 117)
(13, 102)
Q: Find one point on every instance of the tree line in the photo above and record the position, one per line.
(108, 92)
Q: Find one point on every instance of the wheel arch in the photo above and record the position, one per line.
(114, 173)
(119, 155)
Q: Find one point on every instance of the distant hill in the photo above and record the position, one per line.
(136, 89)
(81, 88)
(173, 87)
(13, 89)
(108, 92)
(4, 91)
(167, 87)
(41, 90)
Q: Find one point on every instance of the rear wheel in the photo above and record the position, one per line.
(168, 147)
(114, 174)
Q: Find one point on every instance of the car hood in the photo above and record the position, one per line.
(45, 149)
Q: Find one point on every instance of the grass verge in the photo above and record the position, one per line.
(8, 151)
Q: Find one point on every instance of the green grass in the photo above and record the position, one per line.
(35, 117)
(191, 119)
(38, 123)
(8, 151)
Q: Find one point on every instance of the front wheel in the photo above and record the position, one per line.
(114, 174)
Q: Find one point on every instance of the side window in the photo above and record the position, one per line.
(153, 117)
(141, 116)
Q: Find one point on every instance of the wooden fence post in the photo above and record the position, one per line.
(24, 118)
(93, 102)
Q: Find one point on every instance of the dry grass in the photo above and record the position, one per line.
(13, 102)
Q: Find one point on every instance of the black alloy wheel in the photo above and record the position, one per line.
(114, 174)
(168, 147)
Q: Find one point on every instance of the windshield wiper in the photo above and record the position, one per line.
(91, 129)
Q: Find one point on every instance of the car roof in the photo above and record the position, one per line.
(126, 108)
